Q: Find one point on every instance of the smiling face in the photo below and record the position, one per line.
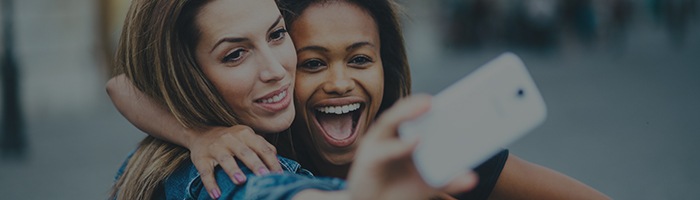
(340, 79)
(245, 52)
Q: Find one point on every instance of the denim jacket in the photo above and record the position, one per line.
(185, 183)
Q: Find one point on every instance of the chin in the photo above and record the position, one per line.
(340, 159)
(277, 124)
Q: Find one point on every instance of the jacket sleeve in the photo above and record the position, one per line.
(271, 186)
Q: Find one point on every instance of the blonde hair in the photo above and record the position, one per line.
(156, 53)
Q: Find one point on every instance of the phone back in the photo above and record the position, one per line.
(474, 118)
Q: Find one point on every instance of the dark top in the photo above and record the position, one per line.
(488, 172)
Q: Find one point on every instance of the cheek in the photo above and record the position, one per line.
(233, 87)
(288, 57)
(303, 89)
(377, 83)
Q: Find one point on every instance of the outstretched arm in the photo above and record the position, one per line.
(524, 180)
(208, 148)
(384, 168)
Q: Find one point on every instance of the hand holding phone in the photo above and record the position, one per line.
(475, 118)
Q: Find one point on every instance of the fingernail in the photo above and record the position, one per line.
(235, 181)
(239, 177)
(215, 194)
(263, 171)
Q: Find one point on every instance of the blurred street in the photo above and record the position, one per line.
(621, 90)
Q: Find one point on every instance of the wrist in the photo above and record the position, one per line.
(188, 137)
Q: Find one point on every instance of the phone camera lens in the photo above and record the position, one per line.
(521, 93)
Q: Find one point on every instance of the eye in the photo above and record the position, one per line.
(234, 56)
(312, 65)
(360, 60)
(277, 35)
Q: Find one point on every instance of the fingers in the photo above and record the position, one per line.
(395, 150)
(406, 109)
(268, 154)
(229, 165)
(206, 172)
(461, 183)
(247, 156)
(255, 152)
(223, 146)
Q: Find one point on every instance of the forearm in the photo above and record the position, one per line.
(524, 180)
(147, 115)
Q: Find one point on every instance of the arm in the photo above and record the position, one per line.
(524, 180)
(383, 169)
(208, 148)
(145, 114)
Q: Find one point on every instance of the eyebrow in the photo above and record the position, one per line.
(277, 22)
(358, 45)
(323, 49)
(238, 39)
(229, 40)
(312, 48)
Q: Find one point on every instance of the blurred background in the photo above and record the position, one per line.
(620, 78)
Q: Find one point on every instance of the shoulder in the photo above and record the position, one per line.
(122, 168)
(289, 165)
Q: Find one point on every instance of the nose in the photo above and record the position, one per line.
(338, 81)
(272, 69)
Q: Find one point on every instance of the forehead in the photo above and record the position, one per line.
(328, 23)
(236, 17)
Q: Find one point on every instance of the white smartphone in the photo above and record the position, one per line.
(473, 119)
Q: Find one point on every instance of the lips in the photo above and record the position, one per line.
(338, 121)
(275, 101)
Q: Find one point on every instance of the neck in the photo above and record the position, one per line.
(325, 168)
(310, 159)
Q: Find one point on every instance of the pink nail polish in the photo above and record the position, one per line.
(215, 194)
(239, 177)
(263, 171)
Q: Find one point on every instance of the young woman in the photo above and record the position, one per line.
(351, 66)
(230, 62)
(360, 64)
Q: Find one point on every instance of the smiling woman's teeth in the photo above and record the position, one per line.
(276, 98)
(339, 109)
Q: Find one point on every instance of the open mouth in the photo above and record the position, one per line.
(339, 123)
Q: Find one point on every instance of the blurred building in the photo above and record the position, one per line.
(544, 24)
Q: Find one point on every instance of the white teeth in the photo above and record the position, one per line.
(339, 109)
(276, 98)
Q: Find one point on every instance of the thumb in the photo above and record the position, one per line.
(461, 183)
(398, 149)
